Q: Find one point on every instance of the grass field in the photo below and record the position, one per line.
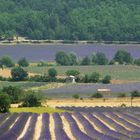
(23, 85)
(38, 110)
(119, 72)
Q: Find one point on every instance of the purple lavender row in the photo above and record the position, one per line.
(90, 130)
(6, 125)
(3, 117)
(106, 130)
(45, 131)
(77, 133)
(124, 122)
(15, 131)
(130, 118)
(117, 126)
(59, 132)
(31, 129)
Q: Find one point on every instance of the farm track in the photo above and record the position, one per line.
(70, 126)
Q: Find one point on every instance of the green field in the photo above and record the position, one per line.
(38, 110)
(118, 72)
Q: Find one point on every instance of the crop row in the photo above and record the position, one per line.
(113, 125)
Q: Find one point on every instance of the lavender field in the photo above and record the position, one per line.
(86, 90)
(113, 125)
(47, 52)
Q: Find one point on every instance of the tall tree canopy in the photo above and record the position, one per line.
(71, 19)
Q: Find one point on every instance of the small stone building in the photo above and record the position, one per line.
(71, 79)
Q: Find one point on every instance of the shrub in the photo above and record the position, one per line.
(97, 95)
(107, 79)
(18, 74)
(42, 64)
(121, 95)
(4, 102)
(23, 62)
(31, 100)
(52, 72)
(137, 61)
(135, 93)
(76, 96)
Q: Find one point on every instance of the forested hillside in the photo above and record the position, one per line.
(71, 19)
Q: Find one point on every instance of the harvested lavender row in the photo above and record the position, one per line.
(59, 132)
(77, 133)
(6, 125)
(124, 122)
(45, 131)
(15, 131)
(105, 129)
(31, 129)
(90, 130)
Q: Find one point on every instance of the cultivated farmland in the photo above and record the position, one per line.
(47, 52)
(112, 125)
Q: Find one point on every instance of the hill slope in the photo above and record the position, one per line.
(71, 19)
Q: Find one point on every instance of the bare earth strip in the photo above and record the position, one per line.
(38, 127)
(109, 126)
(66, 128)
(79, 124)
(52, 126)
(118, 122)
(92, 123)
(14, 122)
(25, 129)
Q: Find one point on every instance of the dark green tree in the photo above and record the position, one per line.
(122, 57)
(62, 58)
(106, 79)
(101, 59)
(86, 61)
(52, 72)
(72, 72)
(14, 93)
(18, 74)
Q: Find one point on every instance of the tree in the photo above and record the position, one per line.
(72, 72)
(101, 59)
(14, 93)
(18, 74)
(23, 62)
(7, 61)
(62, 58)
(94, 77)
(106, 79)
(85, 61)
(4, 103)
(73, 58)
(31, 100)
(122, 57)
(52, 72)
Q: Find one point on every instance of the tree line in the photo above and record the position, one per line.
(108, 20)
(99, 58)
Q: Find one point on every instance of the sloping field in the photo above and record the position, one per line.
(111, 125)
